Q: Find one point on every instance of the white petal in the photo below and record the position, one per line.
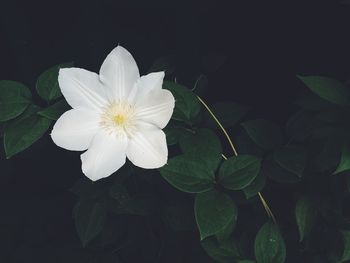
(75, 129)
(155, 107)
(106, 154)
(147, 148)
(151, 81)
(82, 89)
(119, 73)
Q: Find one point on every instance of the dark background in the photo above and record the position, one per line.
(264, 45)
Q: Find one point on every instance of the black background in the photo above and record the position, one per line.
(265, 46)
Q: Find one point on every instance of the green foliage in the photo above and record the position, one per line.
(187, 106)
(238, 172)
(47, 83)
(214, 210)
(305, 213)
(346, 247)
(255, 186)
(269, 245)
(344, 164)
(54, 111)
(14, 99)
(188, 174)
(292, 159)
(203, 144)
(329, 89)
(265, 134)
(225, 252)
(23, 132)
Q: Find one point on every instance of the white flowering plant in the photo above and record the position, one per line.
(155, 149)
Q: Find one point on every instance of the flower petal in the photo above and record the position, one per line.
(75, 129)
(146, 84)
(82, 89)
(147, 148)
(106, 154)
(119, 73)
(155, 107)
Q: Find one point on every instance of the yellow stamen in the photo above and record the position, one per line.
(119, 119)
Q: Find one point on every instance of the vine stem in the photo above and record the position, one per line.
(262, 199)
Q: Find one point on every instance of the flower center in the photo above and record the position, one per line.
(117, 118)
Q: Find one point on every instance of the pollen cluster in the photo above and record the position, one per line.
(118, 119)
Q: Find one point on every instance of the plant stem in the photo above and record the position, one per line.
(262, 199)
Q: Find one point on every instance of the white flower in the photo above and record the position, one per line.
(116, 114)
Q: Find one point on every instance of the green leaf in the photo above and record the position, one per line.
(255, 186)
(238, 172)
(47, 83)
(14, 99)
(305, 213)
(246, 261)
(291, 158)
(89, 219)
(269, 245)
(344, 164)
(22, 133)
(225, 252)
(188, 174)
(187, 106)
(204, 144)
(54, 111)
(327, 88)
(274, 171)
(173, 134)
(228, 113)
(214, 210)
(264, 133)
(346, 241)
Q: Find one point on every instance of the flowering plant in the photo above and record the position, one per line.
(209, 185)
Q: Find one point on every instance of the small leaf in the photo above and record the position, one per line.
(204, 144)
(327, 88)
(344, 164)
(47, 83)
(291, 158)
(223, 252)
(54, 111)
(14, 99)
(238, 172)
(22, 133)
(188, 174)
(89, 219)
(255, 186)
(305, 213)
(228, 113)
(346, 241)
(187, 106)
(269, 245)
(214, 211)
(264, 133)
